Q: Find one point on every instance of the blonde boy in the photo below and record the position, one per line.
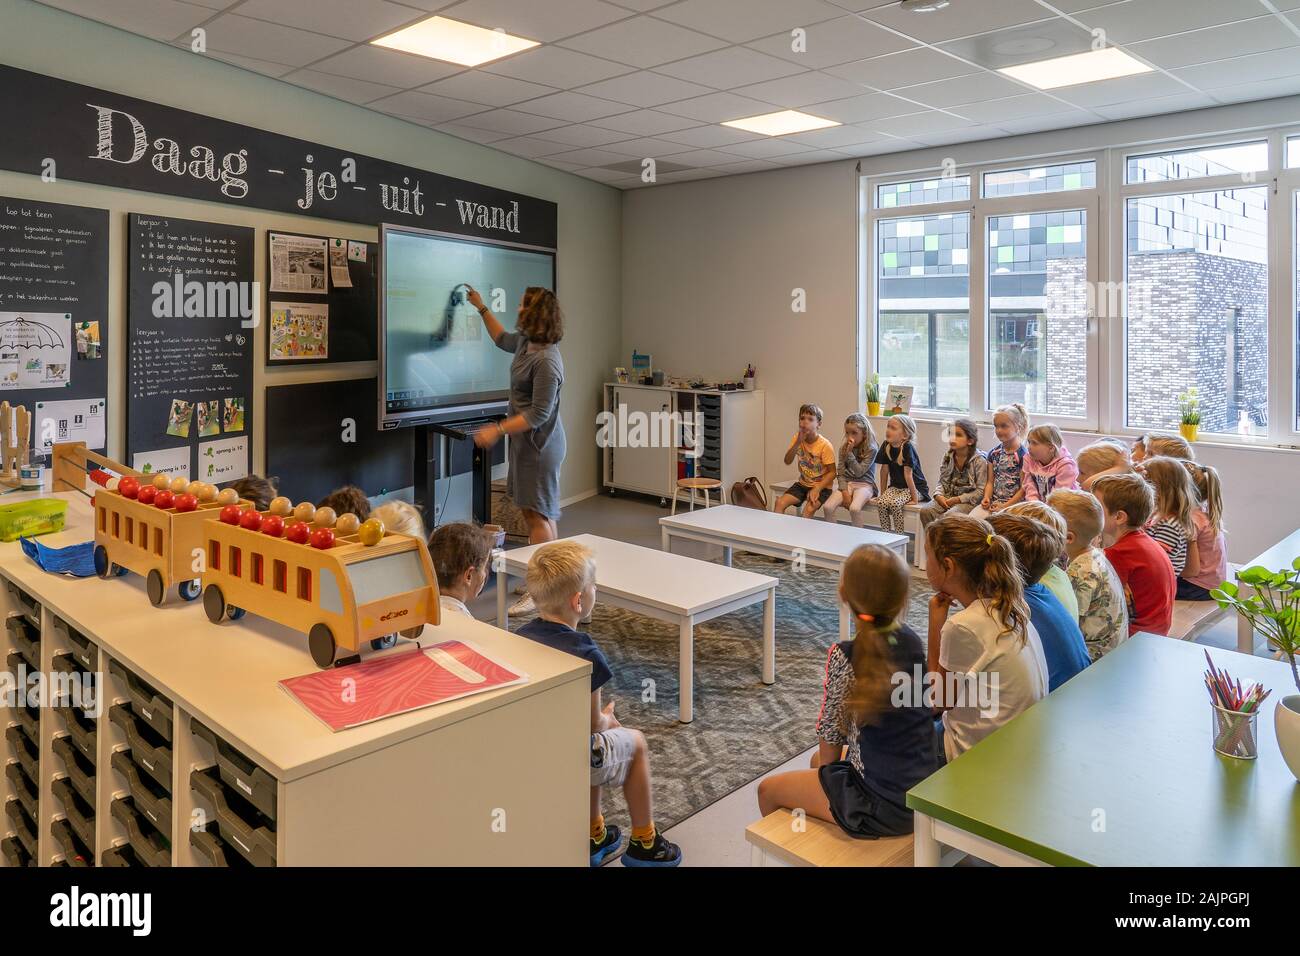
(561, 578)
(1055, 579)
(1103, 613)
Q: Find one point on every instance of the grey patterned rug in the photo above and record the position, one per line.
(742, 728)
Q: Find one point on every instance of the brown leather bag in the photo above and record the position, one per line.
(749, 493)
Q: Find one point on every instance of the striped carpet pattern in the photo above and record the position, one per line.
(742, 728)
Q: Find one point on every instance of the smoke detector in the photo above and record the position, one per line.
(924, 6)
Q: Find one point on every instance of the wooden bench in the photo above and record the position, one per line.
(776, 840)
(911, 521)
(1193, 617)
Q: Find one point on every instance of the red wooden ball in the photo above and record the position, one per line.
(146, 495)
(251, 520)
(273, 525)
(230, 514)
(128, 487)
(165, 498)
(322, 538)
(298, 532)
(186, 502)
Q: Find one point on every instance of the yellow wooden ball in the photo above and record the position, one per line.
(305, 511)
(162, 480)
(206, 493)
(347, 523)
(281, 506)
(179, 484)
(371, 532)
(325, 517)
(228, 496)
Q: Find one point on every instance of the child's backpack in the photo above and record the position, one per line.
(749, 494)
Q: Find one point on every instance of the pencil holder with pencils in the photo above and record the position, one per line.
(1235, 711)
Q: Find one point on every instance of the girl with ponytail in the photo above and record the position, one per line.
(987, 656)
(1207, 552)
(873, 709)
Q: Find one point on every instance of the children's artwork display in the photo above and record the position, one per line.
(35, 349)
(299, 331)
(898, 400)
(325, 319)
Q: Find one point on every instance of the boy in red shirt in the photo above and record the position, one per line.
(1143, 566)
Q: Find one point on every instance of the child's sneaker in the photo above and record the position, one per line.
(607, 848)
(659, 853)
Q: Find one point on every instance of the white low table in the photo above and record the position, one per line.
(821, 544)
(668, 587)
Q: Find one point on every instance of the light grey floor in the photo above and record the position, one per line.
(714, 836)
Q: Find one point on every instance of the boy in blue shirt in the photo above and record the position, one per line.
(561, 578)
(1037, 547)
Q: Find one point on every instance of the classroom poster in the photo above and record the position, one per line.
(35, 349)
(300, 330)
(340, 275)
(78, 419)
(168, 461)
(225, 459)
(298, 264)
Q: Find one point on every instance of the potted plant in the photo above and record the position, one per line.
(1189, 413)
(873, 394)
(1270, 601)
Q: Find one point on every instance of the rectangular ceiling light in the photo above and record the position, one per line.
(454, 42)
(1105, 64)
(781, 124)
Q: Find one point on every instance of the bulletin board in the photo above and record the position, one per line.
(54, 337)
(311, 317)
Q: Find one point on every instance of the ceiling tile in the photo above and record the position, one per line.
(591, 157)
(250, 63)
(724, 69)
(557, 67)
(574, 107)
(471, 133)
(582, 134)
(958, 20)
(644, 88)
(648, 146)
(340, 87)
(510, 121)
(546, 21)
(865, 106)
(704, 157)
(797, 91)
(813, 158)
(742, 20)
(835, 137)
(966, 89)
(1037, 124)
(610, 176)
(531, 146)
(892, 145)
(1134, 20)
(389, 67)
(1216, 43)
(718, 107)
(1263, 90)
(210, 4)
(1120, 90)
(643, 42)
(1156, 107)
(969, 134)
(350, 19)
(837, 41)
(1025, 44)
(767, 148)
(1275, 65)
(708, 137)
(157, 19)
(902, 69)
(644, 123)
(747, 166)
(1014, 108)
(929, 122)
(479, 87)
(244, 36)
(426, 106)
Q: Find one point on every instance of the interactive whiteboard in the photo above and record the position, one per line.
(437, 363)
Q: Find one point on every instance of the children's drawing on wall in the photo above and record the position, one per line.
(178, 419)
(234, 415)
(88, 344)
(299, 331)
(209, 418)
(35, 349)
(898, 400)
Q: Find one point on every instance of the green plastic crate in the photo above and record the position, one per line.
(30, 518)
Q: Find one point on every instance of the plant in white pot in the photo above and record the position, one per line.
(1270, 601)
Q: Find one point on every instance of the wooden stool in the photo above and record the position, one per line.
(704, 485)
(774, 840)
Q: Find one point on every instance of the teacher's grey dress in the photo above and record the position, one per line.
(535, 455)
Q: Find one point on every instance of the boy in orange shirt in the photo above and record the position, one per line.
(817, 465)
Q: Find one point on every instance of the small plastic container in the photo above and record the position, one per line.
(27, 519)
(1236, 734)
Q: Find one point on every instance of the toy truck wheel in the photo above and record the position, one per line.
(103, 567)
(383, 643)
(321, 644)
(189, 590)
(214, 603)
(235, 613)
(155, 588)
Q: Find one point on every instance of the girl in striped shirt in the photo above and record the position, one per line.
(1176, 499)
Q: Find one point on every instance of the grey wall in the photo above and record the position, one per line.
(41, 39)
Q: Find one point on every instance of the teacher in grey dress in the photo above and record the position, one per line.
(536, 377)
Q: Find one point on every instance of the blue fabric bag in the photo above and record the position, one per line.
(77, 560)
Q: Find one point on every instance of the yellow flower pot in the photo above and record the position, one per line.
(1189, 431)
(873, 408)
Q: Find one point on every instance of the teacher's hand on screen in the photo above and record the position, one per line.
(472, 296)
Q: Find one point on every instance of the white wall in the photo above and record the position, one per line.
(43, 40)
(709, 266)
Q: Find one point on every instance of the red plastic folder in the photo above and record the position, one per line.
(344, 697)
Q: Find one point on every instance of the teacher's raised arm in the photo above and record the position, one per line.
(494, 328)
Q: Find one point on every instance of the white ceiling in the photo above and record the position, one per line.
(616, 81)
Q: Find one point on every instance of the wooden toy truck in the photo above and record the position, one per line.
(341, 596)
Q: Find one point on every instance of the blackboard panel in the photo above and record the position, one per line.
(353, 312)
(304, 440)
(190, 306)
(54, 277)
